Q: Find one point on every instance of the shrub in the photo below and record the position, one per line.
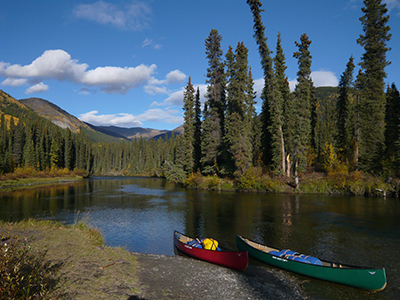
(250, 180)
(271, 185)
(173, 172)
(214, 183)
(194, 179)
(23, 274)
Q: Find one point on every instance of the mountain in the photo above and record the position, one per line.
(137, 132)
(54, 113)
(10, 107)
(65, 120)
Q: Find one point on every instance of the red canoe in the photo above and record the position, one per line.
(237, 260)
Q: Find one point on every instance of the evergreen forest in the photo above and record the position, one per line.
(348, 131)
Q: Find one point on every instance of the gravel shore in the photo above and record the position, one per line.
(86, 270)
(178, 277)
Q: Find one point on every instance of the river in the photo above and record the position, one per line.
(140, 214)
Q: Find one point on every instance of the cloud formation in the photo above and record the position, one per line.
(133, 16)
(167, 115)
(59, 65)
(319, 78)
(37, 88)
(121, 119)
(324, 78)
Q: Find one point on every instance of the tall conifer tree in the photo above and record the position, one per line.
(238, 125)
(287, 109)
(213, 124)
(302, 105)
(272, 141)
(372, 102)
(344, 109)
(189, 126)
(197, 131)
(254, 121)
(392, 120)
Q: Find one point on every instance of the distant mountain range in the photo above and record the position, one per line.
(65, 120)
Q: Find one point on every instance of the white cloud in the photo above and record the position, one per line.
(58, 64)
(167, 115)
(55, 64)
(37, 88)
(154, 90)
(155, 86)
(175, 76)
(14, 82)
(121, 119)
(116, 79)
(320, 78)
(146, 42)
(162, 115)
(258, 86)
(176, 98)
(324, 78)
(292, 84)
(133, 16)
(392, 4)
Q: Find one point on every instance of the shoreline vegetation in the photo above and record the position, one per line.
(336, 182)
(48, 260)
(23, 178)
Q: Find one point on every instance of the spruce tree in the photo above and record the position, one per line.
(282, 85)
(197, 131)
(189, 126)
(302, 105)
(372, 102)
(344, 112)
(272, 142)
(238, 125)
(213, 124)
(254, 120)
(392, 120)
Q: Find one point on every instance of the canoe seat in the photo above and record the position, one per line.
(312, 260)
(200, 244)
(304, 259)
(194, 243)
(292, 255)
(282, 252)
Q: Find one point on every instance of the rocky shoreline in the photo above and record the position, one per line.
(178, 277)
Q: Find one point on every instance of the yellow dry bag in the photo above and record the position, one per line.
(210, 244)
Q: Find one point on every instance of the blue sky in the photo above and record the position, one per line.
(126, 63)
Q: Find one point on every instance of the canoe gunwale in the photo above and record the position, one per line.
(234, 259)
(330, 264)
(368, 278)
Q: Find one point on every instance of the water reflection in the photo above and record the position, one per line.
(141, 214)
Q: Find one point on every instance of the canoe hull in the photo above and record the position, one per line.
(237, 260)
(364, 278)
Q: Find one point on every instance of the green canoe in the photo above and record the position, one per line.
(373, 279)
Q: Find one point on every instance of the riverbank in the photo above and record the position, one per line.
(24, 183)
(84, 268)
(354, 183)
(23, 178)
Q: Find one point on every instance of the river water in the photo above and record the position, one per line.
(140, 214)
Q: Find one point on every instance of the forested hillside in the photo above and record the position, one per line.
(354, 127)
(28, 140)
(345, 131)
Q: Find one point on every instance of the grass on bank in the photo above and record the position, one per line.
(334, 182)
(25, 177)
(47, 260)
